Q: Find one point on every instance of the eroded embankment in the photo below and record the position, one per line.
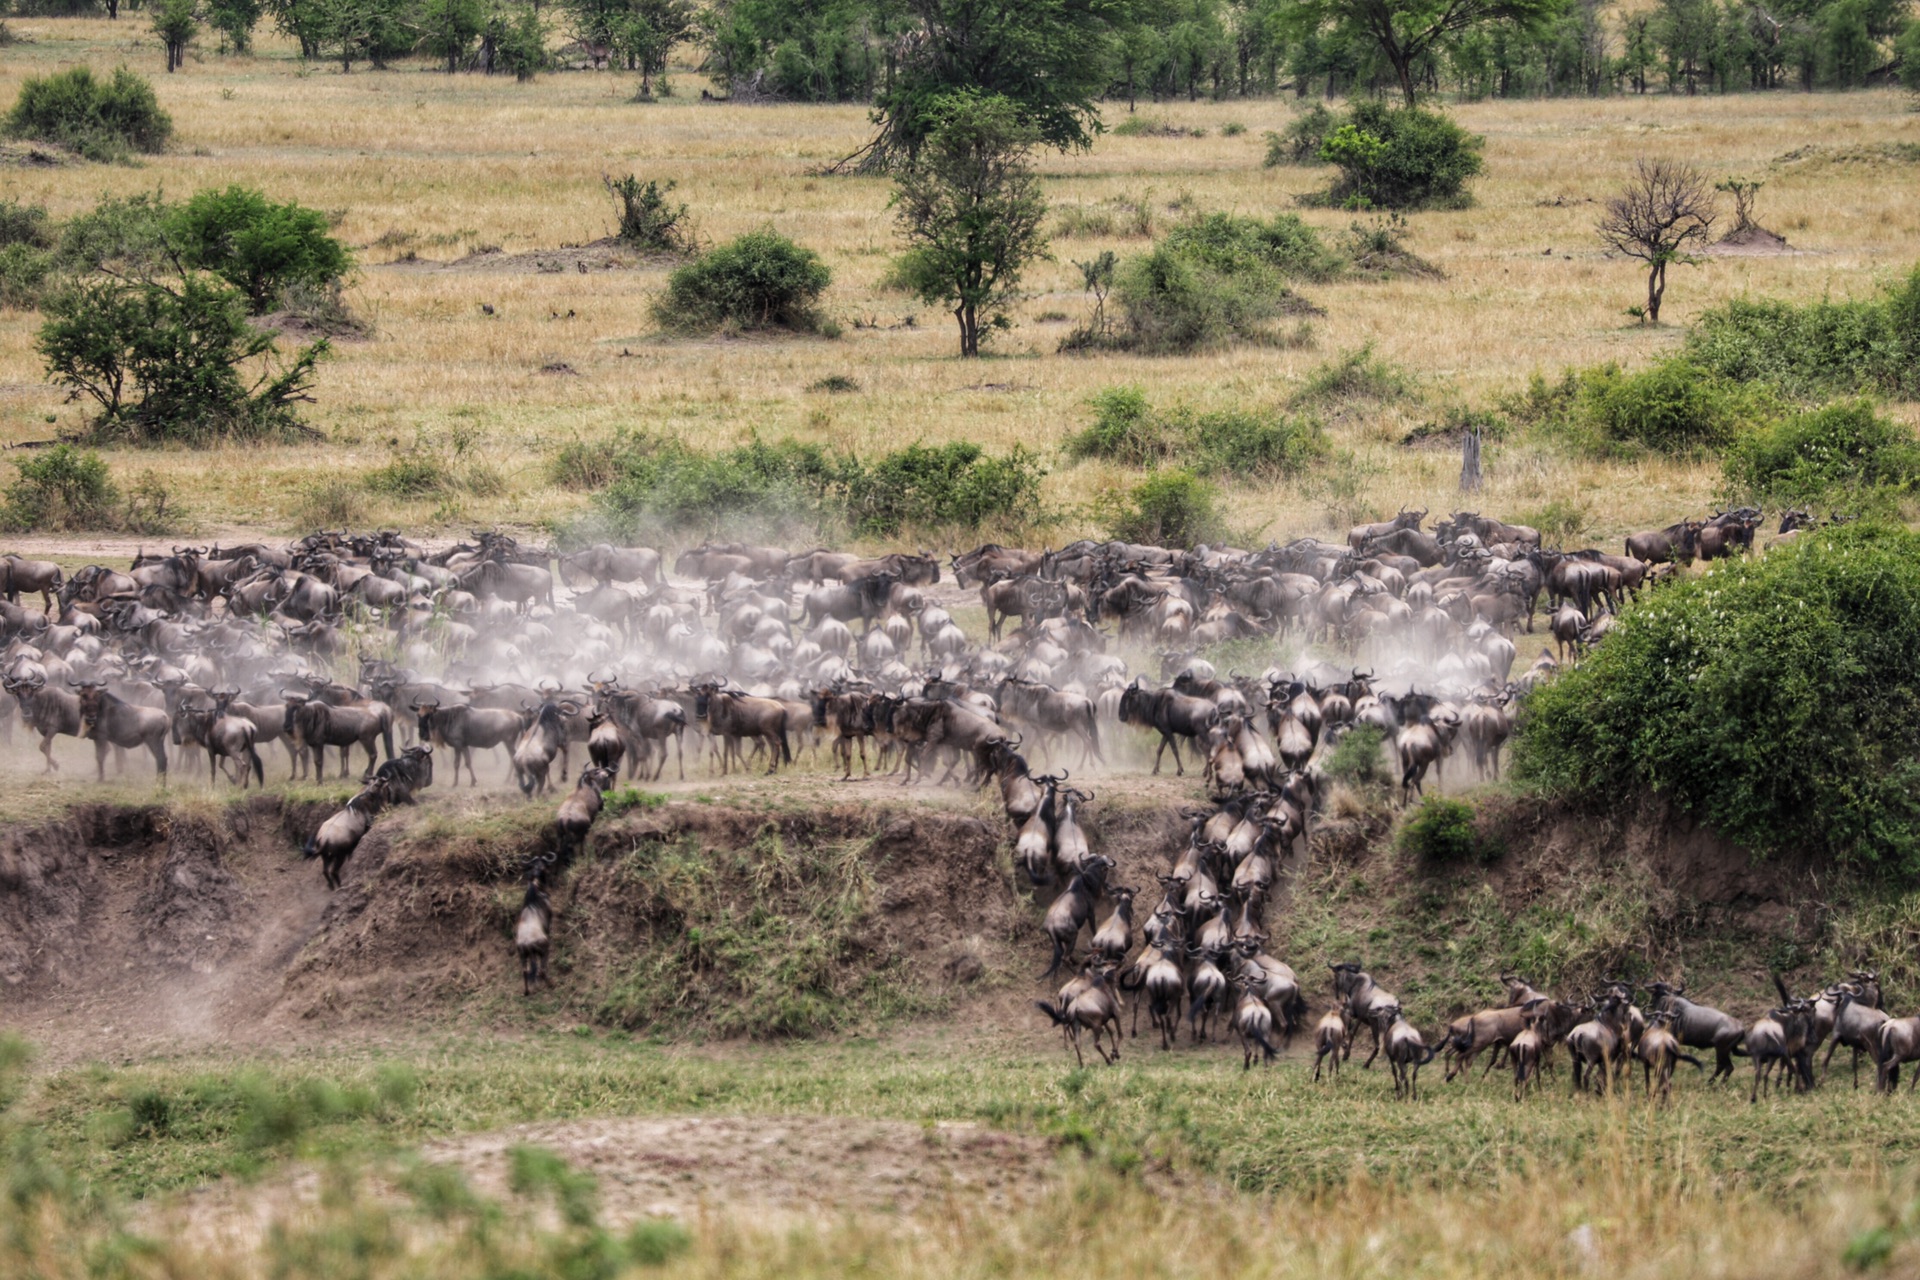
(198, 923)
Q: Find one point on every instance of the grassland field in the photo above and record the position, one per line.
(1182, 1165)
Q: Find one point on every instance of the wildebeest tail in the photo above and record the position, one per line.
(1059, 1019)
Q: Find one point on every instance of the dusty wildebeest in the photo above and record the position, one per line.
(1171, 715)
(342, 833)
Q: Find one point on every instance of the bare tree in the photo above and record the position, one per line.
(1663, 210)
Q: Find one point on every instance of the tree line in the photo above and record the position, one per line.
(1127, 50)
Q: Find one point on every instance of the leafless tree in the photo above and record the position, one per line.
(1664, 209)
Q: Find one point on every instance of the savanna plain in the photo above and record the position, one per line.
(793, 1031)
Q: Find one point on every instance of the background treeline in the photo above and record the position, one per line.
(1153, 50)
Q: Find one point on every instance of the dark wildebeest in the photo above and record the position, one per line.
(1171, 715)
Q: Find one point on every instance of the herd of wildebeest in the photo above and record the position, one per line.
(756, 652)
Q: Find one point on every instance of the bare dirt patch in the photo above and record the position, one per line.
(1754, 242)
(606, 254)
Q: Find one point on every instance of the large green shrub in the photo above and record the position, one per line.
(1400, 158)
(61, 489)
(1170, 508)
(946, 485)
(1675, 407)
(127, 233)
(100, 119)
(760, 281)
(1777, 698)
(1834, 454)
(1817, 347)
(1441, 831)
(259, 247)
(24, 273)
(1244, 443)
(1216, 279)
(167, 362)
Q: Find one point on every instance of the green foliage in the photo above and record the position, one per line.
(235, 21)
(1561, 523)
(165, 362)
(971, 212)
(515, 41)
(760, 281)
(176, 23)
(1835, 455)
(126, 233)
(1355, 375)
(24, 274)
(655, 487)
(1300, 142)
(25, 224)
(61, 489)
(1775, 698)
(101, 119)
(1400, 158)
(1818, 347)
(259, 247)
(1224, 443)
(648, 221)
(947, 485)
(1217, 278)
(1359, 760)
(1675, 407)
(1170, 508)
(1441, 831)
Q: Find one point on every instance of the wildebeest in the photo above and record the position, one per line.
(342, 833)
(1171, 715)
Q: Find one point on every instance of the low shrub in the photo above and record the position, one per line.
(127, 233)
(1675, 408)
(1379, 251)
(648, 220)
(947, 485)
(1215, 279)
(1355, 375)
(1170, 508)
(1300, 142)
(1816, 348)
(1834, 455)
(1772, 698)
(659, 487)
(259, 247)
(102, 119)
(1399, 158)
(1441, 831)
(1224, 443)
(1152, 126)
(760, 281)
(24, 275)
(61, 489)
(25, 224)
(1358, 759)
(1561, 522)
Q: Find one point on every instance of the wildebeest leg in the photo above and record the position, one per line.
(46, 749)
(100, 757)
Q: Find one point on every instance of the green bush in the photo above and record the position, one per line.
(655, 486)
(1675, 407)
(168, 362)
(648, 221)
(61, 489)
(1828, 455)
(1354, 375)
(1773, 698)
(124, 232)
(24, 273)
(1441, 831)
(1218, 278)
(1357, 759)
(1228, 443)
(100, 119)
(1400, 158)
(1819, 347)
(1300, 142)
(953, 484)
(760, 281)
(25, 224)
(259, 247)
(1170, 508)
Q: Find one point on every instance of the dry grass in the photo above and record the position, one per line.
(416, 161)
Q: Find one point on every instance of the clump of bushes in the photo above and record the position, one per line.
(1399, 158)
(1357, 375)
(63, 488)
(101, 119)
(760, 281)
(1170, 508)
(653, 484)
(259, 247)
(1441, 832)
(1772, 698)
(1675, 407)
(1230, 442)
(1215, 279)
(1840, 453)
(1819, 347)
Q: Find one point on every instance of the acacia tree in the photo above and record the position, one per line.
(1408, 32)
(1663, 210)
(176, 23)
(971, 211)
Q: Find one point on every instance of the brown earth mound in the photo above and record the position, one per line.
(1754, 242)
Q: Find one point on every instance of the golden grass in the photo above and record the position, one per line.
(441, 165)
